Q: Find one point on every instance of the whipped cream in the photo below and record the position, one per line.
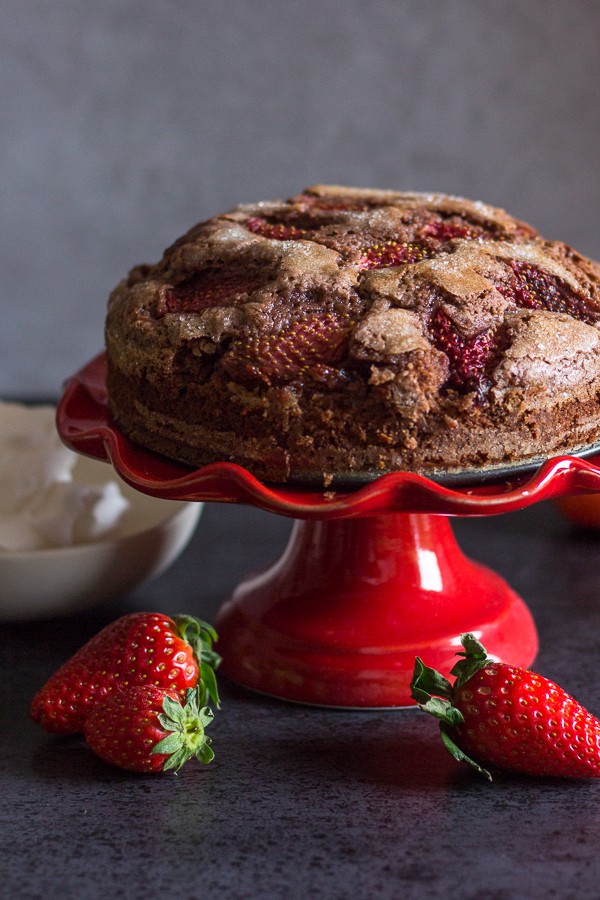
(42, 505)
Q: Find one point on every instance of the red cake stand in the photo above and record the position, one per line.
(371, 577)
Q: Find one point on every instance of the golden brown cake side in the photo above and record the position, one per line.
(354, 331)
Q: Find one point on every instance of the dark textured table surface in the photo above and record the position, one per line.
(304, 802)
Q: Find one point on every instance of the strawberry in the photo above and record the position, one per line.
(391, 253)
(508, 717)
(533, 288)
(139, 649)
(471, 359)
(212, 287)
(276, 231)
(426, 244)
(442, 230)
(307, 346)
(147, 729)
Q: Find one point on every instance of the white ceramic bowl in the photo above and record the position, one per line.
(44, 583)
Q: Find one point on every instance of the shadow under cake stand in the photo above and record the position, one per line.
(371, 576)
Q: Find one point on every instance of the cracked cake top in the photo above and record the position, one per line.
(307, 289)
(413, 314)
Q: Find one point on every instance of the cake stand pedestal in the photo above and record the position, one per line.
(371, 577)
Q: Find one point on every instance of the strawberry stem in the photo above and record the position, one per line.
(475, 658)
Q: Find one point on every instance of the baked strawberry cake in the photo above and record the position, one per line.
(347, 332)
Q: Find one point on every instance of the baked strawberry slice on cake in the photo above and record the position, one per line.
(359, 331)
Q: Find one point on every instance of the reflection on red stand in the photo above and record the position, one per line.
(339, 618)
(371, 577)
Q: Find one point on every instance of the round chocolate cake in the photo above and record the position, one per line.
(350, 332)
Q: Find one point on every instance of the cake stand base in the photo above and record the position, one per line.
(339, 619)
(372, 576)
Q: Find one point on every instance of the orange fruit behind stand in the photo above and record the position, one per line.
(583, 510)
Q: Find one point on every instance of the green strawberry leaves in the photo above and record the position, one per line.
(201, 636)
(434, 695)
(427, 681)
(186, 724)
(458, 754)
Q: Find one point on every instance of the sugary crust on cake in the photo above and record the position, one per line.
(358, 331)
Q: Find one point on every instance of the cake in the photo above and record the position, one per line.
(347, 332)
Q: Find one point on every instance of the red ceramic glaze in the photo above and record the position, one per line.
(371, 577)
(338, 620)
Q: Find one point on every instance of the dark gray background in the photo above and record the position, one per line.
(123, 122)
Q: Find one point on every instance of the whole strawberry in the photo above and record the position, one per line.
(147, 729)
(508, 717)
(140, 649)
